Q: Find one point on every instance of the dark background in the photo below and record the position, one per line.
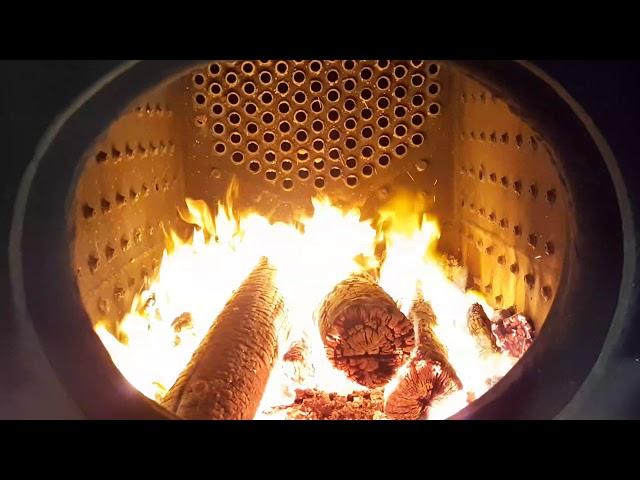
(32, 93)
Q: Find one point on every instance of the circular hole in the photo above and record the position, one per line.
(400, 92)
(234, 118)
(533, 240)
(233, 98)
(433, 69)
(334, 153)
(384, 160)
(349, 104)
(533, 189)
(493, 177)
(493, 137)
(298, 77)
(417, 119)
(514, 268)
(254, 166)
(286, 165)
(302, 155)
(283, 107)
(383, 102)
(317, 126)
(367, 151)
(318, 164)
(335, 172)
(367, 132)
(252, 128)
(383, 83)
(333, 95)
(218, 128)
(318, 145)
(350, 123)
(249, 88)
(270, 156)
(267, 117)
(316, 106)
(214, 69)
(504, 223)
(231, 78)
(350, 143)
(399, 71)
(551, 196)
(247, 67)
(399, 111)
(383, 121)
(382, 64)
(533, 143)
(219, 147)
(252, 147)
(333, 115)
(367, 170)
(301, 136)
(518, 140)
(501, 260)
(235, 138)
(282, 67)
(366, 113)
(319, 182)
(546, 292)
(549, 248)
(351, 180)
(366, 94)
(334, 134)
(417, 139)
(504, 181)
(348, 64)
(349, 84)
(400, 150)
(287, 184)
(270, 175)
(433, 109)
(250, 108)
(400, 131)
(433, 88)
(332, 76)
(285, 146)
(417, 79)
(215, 88)
(198, 79)
(283, 88)
(237, 157)
(315, 66)
(265, 77)
(303, 173)
(266, 98)
(351, 162)
(284, 126)
(200, 99)
(530, 280)
(517, 186)
(316, 86)
(417, 100)
(366, 73)
(504, 138)
(300, 97)
(268, 137)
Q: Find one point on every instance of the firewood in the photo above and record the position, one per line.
(228, 372)
(427, 376)
(364, 333)
(480, 328)
(513, 332)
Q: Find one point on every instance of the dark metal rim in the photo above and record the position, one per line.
(539, 386)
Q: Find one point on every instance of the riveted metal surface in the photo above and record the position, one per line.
(510, 202)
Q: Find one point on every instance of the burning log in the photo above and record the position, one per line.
(228, 372)
(480, 328)
(428, 374)
(364, 333)
(512, 331)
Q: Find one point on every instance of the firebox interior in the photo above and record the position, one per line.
(353, 130)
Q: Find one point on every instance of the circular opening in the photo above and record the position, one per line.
(349, 104)
(268, 137)
(285, 146)
(303, 173)
(315, 66)
(334, 134)
(318, 145)
(270, 156)
(270, 175)
(400, 150)
(384, 160)
(252, 128)
(383, 121)
(332, 76)
(282, 67)
(198, 79)
(266, 98)
(351, 180)
(319, 182)
(348, 64)
(383, 83)
(417, 139)
(214, 69)
(382, 64)
(286, 165)
(433, 69)
(399, 71)
(267, 117)
(301, 136)
(366, 113)
(215, 88)
(335, 172)
(349, 84)
(234, 118)
(367, 132)
(417, 100)
(254, 166)
(367, 152)
(302, 155)
(247, 67)
(318, 164)
(231, 78)
(250, 108)
(333, 95)
(300, 97)
(283, 107)
(433, 88)
(434, 109)
(235, 137)
(316, 106)
(265, 77)
(351, 162)
(367, 170)
(400, 131)
(299, 77)
(287, 184)
(334, 153)
(252, 147)
(417, 119)
(200, 98)
(350, 123)
(400, 111)
(283, 88)
(316, 86)
(366, 94)
(237, 157)
(218, 128)
(317, 126)
(333, 115)
(383, 102)
(284, 126)
(366, 73)
(233, 98)
(350, 143)
(249, 88)
(400, 92)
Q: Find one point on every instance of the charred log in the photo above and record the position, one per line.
(480, 328)
(428, 374)
(364, 333)
(228, 373)
(513, 332)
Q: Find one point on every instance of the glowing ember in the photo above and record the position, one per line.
(170, 317)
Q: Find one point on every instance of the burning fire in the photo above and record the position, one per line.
(170, 317)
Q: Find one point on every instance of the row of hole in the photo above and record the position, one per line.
(529, 278)
(121, 199)
(551, 195)
(153, 110)
(481, 97)
(152, 148)
(503, 138)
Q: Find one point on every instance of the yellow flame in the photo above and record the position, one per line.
(311, 256)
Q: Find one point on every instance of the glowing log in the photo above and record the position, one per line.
(480, 328)
(364, 333)
(228, 372)
(428, 374)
